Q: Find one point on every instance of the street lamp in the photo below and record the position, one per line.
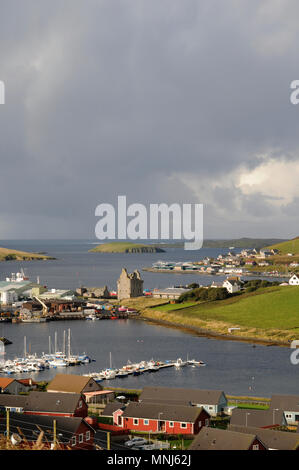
(247, 414)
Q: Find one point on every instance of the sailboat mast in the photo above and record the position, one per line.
(69, 344)
(55, 345)
(63, 341)
(110, 361)
(49, 344)
(25, 347)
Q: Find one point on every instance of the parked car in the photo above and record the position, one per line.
(136, 441)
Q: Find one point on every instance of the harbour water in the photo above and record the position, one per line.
(237, 368)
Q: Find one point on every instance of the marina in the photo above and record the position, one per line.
(140, 368)
(239, 368)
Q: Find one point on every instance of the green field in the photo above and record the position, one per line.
(274, 307)
(125, 247)
(270, 313)
(290, 246)
(172, 307)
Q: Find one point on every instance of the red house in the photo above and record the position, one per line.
(56, 404)
(161, 418)
(71, 433)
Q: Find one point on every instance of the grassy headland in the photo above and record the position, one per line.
(289, 246)
(126, 247)
(268, 314)
(7, 254)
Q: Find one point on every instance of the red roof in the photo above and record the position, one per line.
(27, 382)
(4, 382)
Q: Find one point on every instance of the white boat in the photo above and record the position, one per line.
(58, 363)
(91, 317)
(180, 363)
(193, 362)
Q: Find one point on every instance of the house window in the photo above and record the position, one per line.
(87, 435)
(199, 424)
(183, 425)
(80, 438)
(135, 421)
(206, 422)
(80, 404)
(255, 447)
(171, 424)
(145, 422)
(74, 441)
(210, 407)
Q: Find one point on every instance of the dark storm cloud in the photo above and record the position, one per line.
(163, 101)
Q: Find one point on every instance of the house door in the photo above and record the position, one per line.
(162, 426)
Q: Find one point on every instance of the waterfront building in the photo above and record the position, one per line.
(12, 386)
(169, 293)
(258, 418)
(213, 401)
(129, 285)
(289, 404)
(158, 418)
(94, 292)
(232, 284)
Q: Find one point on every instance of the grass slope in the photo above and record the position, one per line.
(125, 247)
(289, 246)
(7, 254)
(271, 313)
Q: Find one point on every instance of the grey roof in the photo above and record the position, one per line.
(30, 424)
(220, 439)
(258, 418)
(110, 408)
(172, 290)
(185, 396)
(285, 402)
(162, 411)
(15, 401)
(272, 439)
(52, 402)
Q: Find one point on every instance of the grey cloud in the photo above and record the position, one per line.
(112, 97)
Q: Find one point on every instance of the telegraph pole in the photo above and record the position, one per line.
(7, 426)
(54, 434)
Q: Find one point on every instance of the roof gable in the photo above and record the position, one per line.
(52, 402)
(220, 439)
(70, 383)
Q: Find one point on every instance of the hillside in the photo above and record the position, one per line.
(289, 246)
(7, 254)
(126, 247)
(271, 313)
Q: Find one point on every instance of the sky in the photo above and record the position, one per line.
(161, 100)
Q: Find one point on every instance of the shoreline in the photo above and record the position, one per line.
(171, 271)
(210, 334)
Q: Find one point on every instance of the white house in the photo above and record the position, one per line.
(232, 285)
(294, 280)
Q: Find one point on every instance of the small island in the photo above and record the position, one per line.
(7, 254)
(126, 247)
